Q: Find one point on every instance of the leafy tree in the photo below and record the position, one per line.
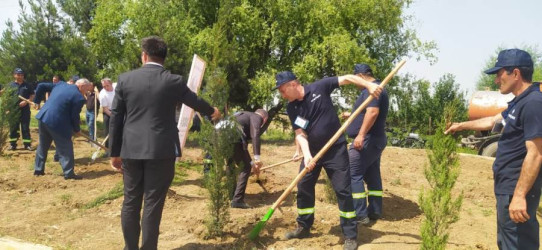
(486, 82)
(259, 38)
(81, 12)
(44, 46)
(439, 207)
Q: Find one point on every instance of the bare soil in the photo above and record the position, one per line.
(49, 210)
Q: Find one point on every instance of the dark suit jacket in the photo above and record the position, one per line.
(142, 124)
(251, 126)
(61, 111)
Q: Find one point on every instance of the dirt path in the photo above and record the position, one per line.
(49, 210)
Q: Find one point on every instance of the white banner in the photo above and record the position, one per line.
(194, 82)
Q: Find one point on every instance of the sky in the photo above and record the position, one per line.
(467, 33)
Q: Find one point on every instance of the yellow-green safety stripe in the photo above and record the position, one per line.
(12, 139)
(359, 195)
(348, 215)
(25, 140)
(302, 211)
(375, 193)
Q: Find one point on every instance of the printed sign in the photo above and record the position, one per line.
(194, 82)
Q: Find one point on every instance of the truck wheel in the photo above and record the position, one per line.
(490, 150)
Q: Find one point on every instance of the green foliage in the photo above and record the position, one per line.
(44, 46)
(417, 105)
(440, 209)
(116, 192)
(251, 40)
(219, 181)
(9, 113)
(486, 82)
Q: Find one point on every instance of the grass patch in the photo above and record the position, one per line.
(116, 192)
(274, 134)
(180, 171)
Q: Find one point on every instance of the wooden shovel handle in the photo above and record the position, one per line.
(93, 141)
(280, 163)
(333, 139)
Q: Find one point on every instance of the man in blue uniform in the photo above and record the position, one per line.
(516, 170)
(315, 121)
(369, 136)
(57, 121)
(25, 90)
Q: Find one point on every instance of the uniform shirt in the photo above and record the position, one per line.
(382, 103)
(250, 123)
(522, 123)
(24, 90)
(315, 114)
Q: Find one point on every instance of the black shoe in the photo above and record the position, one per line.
(28, 147)
(38, 173)
(298, 233)
(350, 244)
(363, 221)
(241, 205)
(13, 147)
(375, 216)
(73, 177)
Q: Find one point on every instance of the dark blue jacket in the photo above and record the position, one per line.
(45, 87)
(61, 112)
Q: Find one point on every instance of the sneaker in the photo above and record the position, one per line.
(241, 205)
(38, 173)
(298, 233)
(28, 147)
(363, 221)
(73, 177)
(13, 147)
(350, 244)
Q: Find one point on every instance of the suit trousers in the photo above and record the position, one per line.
(521, 236)
(148, 181)
(64, 149)
(365, 168)
(242, 159)
(335, 162)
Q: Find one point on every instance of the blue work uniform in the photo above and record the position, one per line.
(522, 122)
(316, 115)
(365, 163)
(25, 90)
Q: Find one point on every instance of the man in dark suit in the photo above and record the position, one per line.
(57, 120)
(144, 139)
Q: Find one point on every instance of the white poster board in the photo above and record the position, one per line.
(194, 82)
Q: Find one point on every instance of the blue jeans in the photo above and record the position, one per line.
(511, 235)
(64, 149)
(90, 124)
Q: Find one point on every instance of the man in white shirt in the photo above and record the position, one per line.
(106, 100)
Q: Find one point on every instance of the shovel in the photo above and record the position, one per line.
(256, 231)
(97, 153)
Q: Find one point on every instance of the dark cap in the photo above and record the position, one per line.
(18, 71)
(511, 58)
(362, 68)
(74, 78)
(283, 77)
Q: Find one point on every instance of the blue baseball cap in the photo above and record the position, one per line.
(18, 71)
(511, 58)
(283, 77)
(362, 68)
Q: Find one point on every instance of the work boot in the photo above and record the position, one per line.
(13, 147)
(363, 221)
(299, 233)
(374, 216)
(350, 244)
(73, 177)
(241, 205)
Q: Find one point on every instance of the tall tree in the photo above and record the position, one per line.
(261, 38)
(81, 12)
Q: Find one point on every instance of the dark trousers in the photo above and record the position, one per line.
(241, 157)
(24, 123)
(106, 128)
(335, 162)
(64, 149)
(365, 168)
(148, 181)
(521, 236)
